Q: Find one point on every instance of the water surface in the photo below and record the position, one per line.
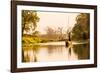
(49, 53)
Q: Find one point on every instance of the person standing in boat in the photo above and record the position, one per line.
(68, 42)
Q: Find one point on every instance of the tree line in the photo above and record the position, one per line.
(30, 18)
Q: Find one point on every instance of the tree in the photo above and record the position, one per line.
(55, 34)
(29, 17)
(35, 33)
(50, 32)
(60, 32)
(68, 33)
(81, 29)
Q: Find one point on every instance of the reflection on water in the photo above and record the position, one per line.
(82, 51)
(55, 53)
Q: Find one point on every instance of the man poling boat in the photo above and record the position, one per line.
(68, 42)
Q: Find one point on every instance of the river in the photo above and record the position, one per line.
(50, 52)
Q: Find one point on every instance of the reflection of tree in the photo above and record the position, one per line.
(25, 58)
(81, 28)
(35, 48)
(35, 51)
(70, 51)
(82, 51)
(29, 54)
(52, 49)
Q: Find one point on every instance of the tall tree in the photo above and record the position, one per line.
(50, 31)
(81, 29)
(29, 17)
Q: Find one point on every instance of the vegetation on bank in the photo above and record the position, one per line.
(26, 40)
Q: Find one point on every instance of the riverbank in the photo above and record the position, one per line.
(58, 43)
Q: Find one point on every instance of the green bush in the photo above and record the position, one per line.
(29, 40)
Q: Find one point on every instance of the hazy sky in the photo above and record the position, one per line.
(55, 20)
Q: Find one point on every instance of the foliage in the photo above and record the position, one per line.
(81, 29)
(55, 34)
(30, 40)
(29, 20)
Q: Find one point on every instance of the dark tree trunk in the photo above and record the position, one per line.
(69, 37)
(23, 29)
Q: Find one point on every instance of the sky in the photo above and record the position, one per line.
(55, 20)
